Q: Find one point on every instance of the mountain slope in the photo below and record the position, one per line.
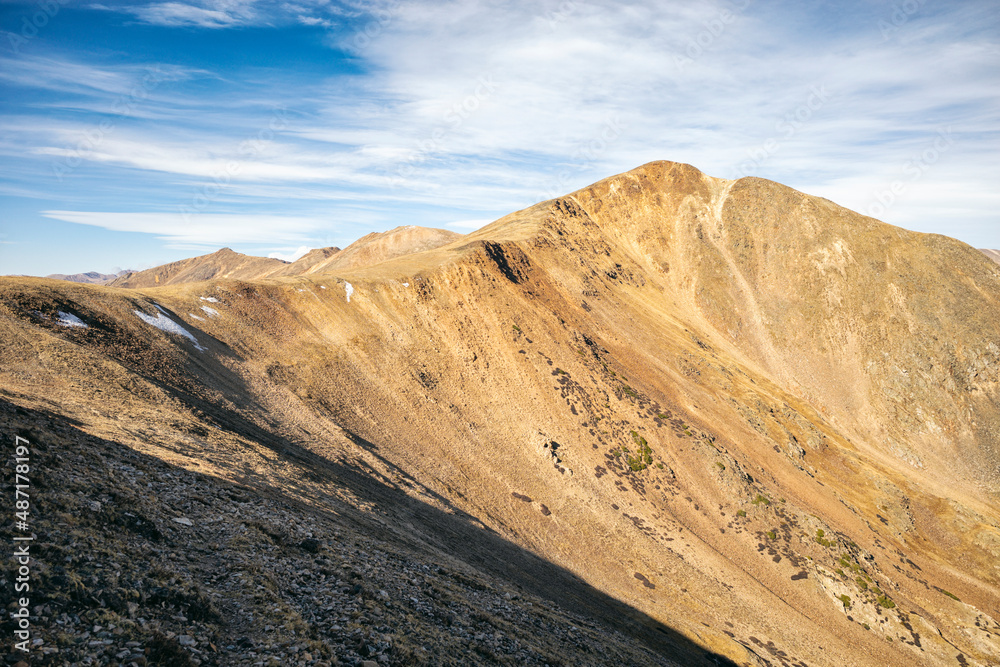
(758, 418)
(223, 263)
(378, 247)
(371, 249)
(993, 254)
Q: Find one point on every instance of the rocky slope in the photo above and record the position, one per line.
(141, 562)
(764, 421)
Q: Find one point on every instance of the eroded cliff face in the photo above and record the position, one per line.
(763, 420)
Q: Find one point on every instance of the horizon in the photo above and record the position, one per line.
(136, 134)
(991, 253)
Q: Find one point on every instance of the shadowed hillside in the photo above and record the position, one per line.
(767, 422)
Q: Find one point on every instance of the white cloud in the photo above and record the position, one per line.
(213, 230)
(202, 14)
(216, 14)
(591, 89)
(470, 225)
(290, 256)
(132, 82)
(315, 20)
(180, 14)
(484, 108)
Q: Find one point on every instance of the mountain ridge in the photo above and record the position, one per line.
(92, 277)
(223, 263)
(371, 249)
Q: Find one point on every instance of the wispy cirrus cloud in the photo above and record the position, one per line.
(219, 14)
(210, 230)
(181, 14)
(72, 77)
(205, 14)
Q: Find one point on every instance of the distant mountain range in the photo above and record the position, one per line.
(369, 250)
(91, 277)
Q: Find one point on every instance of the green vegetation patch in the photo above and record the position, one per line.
(820, 539)
(883, 601)
(644, 458)
(951, 595)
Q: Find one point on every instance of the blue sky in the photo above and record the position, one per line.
(135, 133)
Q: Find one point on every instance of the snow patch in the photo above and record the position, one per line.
(349, 288)
(195, 317)
(70, 320)
(212, 312)
(210, 299)
(164, 323)
(322, 286)
(406, 284)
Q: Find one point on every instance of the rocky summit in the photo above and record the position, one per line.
(667, 419)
